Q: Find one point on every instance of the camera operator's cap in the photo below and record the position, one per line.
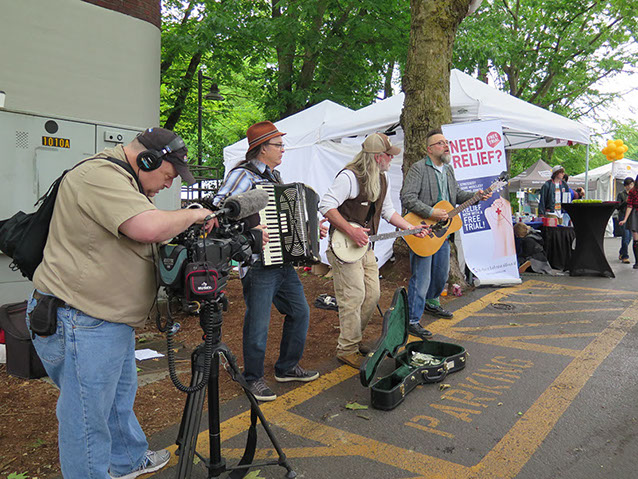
(172, 148)
(379, 143)
(558, 168)
(260, 133)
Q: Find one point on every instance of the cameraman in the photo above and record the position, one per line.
(264, 286)
(99, 260)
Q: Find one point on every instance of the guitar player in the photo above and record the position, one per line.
(428, 182)
(358, 195)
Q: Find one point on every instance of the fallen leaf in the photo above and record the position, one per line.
(254, 475)
(514, 324)
(443, 387)
(355, 406)
(363, 416)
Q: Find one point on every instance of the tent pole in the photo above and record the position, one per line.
(586, 173)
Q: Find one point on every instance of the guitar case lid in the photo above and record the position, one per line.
(393, 337)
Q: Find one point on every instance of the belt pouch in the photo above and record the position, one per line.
(44, 317)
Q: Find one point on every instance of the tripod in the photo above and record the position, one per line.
(210, 317)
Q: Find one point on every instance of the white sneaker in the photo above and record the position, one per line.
(153, 461)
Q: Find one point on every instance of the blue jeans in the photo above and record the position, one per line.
(429, 275)
(92, 361)
(625, 239)
(262, 288)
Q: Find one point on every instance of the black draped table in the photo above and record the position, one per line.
(557, 243)
(590, 221)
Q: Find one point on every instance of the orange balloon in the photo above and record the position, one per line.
(618, 143)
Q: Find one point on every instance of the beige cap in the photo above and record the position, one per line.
(379, 143)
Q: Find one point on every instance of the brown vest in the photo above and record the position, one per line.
(358, 209)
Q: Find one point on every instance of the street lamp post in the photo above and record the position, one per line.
(214, 95)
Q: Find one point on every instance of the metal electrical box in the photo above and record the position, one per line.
(34, 151)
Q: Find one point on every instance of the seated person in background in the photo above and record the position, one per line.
(529, 250)
(580, 192)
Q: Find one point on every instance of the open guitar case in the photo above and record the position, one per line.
(389, 391)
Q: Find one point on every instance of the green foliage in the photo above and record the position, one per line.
(15, 475)
(551, 53)
(271, 59)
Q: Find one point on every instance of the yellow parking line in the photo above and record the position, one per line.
(561, 312)
(522, 325)
(508, 343)
(509, 456)
(505, 460)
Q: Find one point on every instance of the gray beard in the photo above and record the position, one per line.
(446, 158)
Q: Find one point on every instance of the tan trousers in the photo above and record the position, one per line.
(357, 292)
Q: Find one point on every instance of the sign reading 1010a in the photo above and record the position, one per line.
(56, 142)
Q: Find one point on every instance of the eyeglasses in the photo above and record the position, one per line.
(277, 145)
(440, 143)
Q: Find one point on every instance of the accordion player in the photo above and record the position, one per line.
(292, 224)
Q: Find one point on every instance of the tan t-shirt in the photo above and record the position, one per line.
(87, 262)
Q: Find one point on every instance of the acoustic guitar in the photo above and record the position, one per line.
(441, 229)
(348, 251)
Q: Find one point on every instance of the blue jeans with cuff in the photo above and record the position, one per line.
(263, 287)
(429, 275)
(92, 361)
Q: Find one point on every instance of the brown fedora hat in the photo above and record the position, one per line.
(260, 133)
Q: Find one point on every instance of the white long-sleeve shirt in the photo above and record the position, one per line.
(346, 187)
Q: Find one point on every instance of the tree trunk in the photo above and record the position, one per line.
(187, 80)
(427, 81)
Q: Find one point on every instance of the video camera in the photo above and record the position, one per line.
(195, 266)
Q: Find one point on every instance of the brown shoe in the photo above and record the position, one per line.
(522, 268)
(626, 260)
(354, 359)
(366, 348)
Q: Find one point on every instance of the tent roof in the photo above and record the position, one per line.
(302, 129)
(537, 174)
(524, 125)
(532, 177)
(620, 169)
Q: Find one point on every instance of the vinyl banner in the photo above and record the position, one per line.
(478, 157)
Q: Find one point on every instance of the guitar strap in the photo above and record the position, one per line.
(371, 212)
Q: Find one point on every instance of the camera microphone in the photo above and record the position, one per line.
(245, 204)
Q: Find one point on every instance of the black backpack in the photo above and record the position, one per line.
(23, 236)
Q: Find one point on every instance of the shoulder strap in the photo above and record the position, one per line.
(252, 168)
(128, 168)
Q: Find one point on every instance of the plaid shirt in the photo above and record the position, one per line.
(241, 180)
(632, 199)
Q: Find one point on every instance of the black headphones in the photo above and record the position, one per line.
(149, 160)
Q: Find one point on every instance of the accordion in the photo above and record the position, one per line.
(292, 224)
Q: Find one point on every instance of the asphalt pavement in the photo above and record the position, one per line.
(549, 391)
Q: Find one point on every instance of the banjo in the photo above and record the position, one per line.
(348, 251)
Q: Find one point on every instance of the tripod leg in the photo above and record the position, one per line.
(255, 410)
(189, 427)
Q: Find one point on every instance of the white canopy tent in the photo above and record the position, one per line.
(609, 178)
(323, 138)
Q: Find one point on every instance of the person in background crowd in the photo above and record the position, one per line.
(427, 182)
(99, 260)
(359, 195)
(529, 250)
(580, 193)
(625, 237)
(551, 194)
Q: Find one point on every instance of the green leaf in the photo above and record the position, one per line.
(254, 475)
(355, 406)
